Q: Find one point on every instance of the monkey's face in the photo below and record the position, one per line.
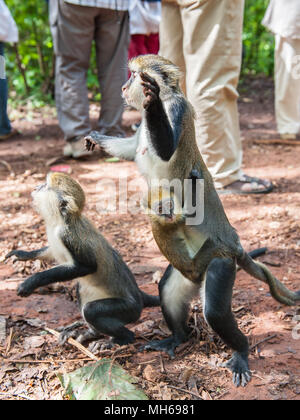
(165, 73)
(164, 209)
(163, 206)
(59, 197)
(132, 91)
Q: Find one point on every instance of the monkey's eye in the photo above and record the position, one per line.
(63, 203)
(164, 207)
(168, 206)
(40, 187)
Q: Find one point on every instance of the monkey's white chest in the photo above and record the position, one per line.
(58, 249)
(149, 164)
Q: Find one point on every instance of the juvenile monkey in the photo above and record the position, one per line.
(108, 293)
(164, 148)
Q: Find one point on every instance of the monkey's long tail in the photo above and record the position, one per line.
(150, 300)
(258, 270)
(257, 252)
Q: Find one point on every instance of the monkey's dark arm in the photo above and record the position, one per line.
(53, 275)
(43, 253)
(163, 137)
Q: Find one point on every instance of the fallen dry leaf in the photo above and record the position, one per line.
(34, 341)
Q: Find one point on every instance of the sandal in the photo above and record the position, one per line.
(248, 185)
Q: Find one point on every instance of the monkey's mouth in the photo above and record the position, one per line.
(168, 217)
(127, 99)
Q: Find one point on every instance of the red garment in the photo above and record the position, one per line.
(143, 44)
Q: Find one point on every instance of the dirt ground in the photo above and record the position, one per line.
(30, 357)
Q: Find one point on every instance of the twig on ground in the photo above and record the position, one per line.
(185, 390)
(262, 341)
(9, 341)
(74, 343)
(278, 141)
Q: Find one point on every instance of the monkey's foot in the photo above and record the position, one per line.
(238, 365)
(127, 338)
(168, 345)
(69, 331)
(98, 346)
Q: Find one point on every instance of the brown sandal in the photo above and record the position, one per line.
(257, 186)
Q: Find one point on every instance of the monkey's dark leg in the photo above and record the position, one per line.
(108, 316)
(53, 275)
(217, 310)
(27, 255)
(175, 294)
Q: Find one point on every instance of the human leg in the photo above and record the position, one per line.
(72, 30)
(112, 41)
(287, 86)
(5, 127)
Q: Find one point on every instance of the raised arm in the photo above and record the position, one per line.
(164, 125)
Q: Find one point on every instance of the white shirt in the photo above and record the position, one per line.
(105, 4)
(283, 18)
(8, 27)
(144, 17)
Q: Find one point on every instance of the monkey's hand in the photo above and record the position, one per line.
(93, 139)
(150, 89)
(25, 289)
(20, 255)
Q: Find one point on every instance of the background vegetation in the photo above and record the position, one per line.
(30, 64)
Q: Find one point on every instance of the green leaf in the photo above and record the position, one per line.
(112, 160)
(102, 380)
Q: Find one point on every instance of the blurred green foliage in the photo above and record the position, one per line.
(30, 64)
(258, 43)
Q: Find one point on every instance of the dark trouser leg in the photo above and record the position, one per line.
(112, 42)
(175, 294)
(217, 310)
(72, 28)
(108, 316)
(5, 126)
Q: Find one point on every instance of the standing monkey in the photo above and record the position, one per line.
(201, 262)
(108, 294)
(164, 148)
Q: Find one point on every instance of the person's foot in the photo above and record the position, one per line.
(76, 149)
(289, 136)
(248, 185)
(12, 133)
